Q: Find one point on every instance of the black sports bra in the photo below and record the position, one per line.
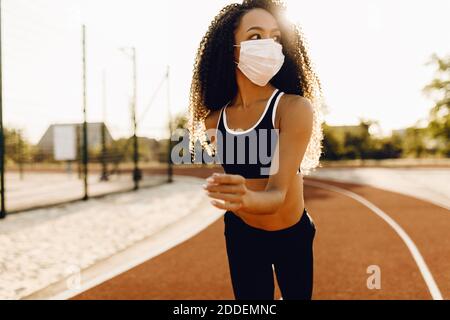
(249, 153)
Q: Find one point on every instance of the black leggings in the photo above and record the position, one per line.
(252, 252)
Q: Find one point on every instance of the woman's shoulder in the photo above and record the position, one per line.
(212, 118)
(295, 101)
(295, 107)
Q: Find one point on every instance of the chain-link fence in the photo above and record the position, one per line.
(64, 138)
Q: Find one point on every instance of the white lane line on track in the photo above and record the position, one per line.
(410, 193)
(426, 274)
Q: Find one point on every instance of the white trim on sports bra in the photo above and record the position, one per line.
(254, 126)
(274, 111)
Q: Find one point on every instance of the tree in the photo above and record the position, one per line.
(439, 91)
(358, 143)
(332, 147)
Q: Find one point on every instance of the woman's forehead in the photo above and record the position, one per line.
(259, 19)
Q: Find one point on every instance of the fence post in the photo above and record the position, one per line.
(104, 175)
(85, 138)
(137, 174)
(2, 136)
(169, 151)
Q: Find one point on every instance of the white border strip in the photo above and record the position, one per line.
(426, 274)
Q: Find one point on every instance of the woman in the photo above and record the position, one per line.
(253, 74)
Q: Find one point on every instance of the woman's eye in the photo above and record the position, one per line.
(257, 36)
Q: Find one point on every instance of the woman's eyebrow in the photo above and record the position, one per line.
(262, 29)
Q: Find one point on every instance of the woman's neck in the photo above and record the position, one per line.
(249, 93)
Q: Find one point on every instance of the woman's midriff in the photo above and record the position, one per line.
(287, 215)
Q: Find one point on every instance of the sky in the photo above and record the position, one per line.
(370, 56)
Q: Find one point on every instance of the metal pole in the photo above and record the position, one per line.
(85, 139)
(169, 151)
(136, 172)
(104, 176)
(2, 135)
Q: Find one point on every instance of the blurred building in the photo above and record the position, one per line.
(94, 135)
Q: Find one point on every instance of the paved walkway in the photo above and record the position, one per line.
(429, 184)
(38, 189)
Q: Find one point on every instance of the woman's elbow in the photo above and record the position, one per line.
(279, 196)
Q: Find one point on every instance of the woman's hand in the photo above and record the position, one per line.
(230, 188)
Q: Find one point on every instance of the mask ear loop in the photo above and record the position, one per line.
(236, 45)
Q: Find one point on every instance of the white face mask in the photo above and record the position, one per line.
(260, 60)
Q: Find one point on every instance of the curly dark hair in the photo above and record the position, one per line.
(214, 80)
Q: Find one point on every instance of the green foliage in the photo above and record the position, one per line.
(356, 142)
(17, 148)
(439, 116)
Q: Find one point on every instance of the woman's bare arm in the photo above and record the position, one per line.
(296, 121)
